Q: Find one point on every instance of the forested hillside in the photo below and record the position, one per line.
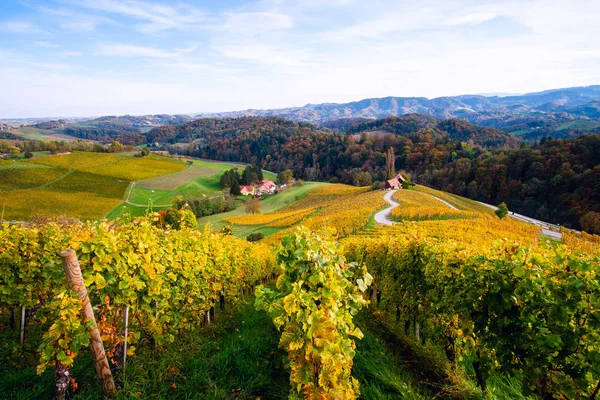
(555, 180)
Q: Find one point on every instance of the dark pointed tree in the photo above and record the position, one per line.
(390, 164)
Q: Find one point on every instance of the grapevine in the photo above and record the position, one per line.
(316, 297)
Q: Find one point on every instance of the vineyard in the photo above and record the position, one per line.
(167, 280)
(346, 209)
(83, 185)
(420, 206)
(461, 203)
(449, 302)
(510, 308)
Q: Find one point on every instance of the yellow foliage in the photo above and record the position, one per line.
(261, 219)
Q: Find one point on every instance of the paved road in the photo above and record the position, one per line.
(382, 216)
(542, 224)
(445, 202)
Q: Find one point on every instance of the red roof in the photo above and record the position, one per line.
(266, 183)
(393, 182)
(399, 177)
(248, 188)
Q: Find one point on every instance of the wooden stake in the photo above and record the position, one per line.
(73, 271)
(62, 380)
(374, 298)
(125, 342)
(22, 326)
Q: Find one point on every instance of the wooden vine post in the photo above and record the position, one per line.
(73, 271)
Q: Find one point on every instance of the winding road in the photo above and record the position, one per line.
(445, 202)
(382, 216)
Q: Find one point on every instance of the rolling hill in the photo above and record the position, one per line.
(522, 113)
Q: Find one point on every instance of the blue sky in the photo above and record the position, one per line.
(101, 57)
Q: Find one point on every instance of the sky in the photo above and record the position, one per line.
(112, 57)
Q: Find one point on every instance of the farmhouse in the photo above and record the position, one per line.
(395, 183)
(247, 190)
(265, 187)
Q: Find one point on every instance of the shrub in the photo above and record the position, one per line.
(502, 211)
(255, 237)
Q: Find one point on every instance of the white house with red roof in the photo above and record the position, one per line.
(247, 190)
(265, 187)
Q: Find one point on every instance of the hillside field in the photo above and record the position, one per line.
(31, 133)
(198, 180)
(82, 185)
(436, 272)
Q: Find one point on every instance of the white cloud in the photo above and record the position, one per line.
(71, 53)
(21, 27)
(81, 25)
(72, 20)
(263, 53)
(126, 50)
(156, 17)
(255, 22)
(49, 65)
(47, 45)
(472, 18)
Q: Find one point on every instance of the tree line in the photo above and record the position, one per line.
(555, 179)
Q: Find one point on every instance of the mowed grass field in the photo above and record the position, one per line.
(201, 179)
(81, 185)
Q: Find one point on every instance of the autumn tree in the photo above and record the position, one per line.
(115, 147)
(285, 177)
(363, 179)
(590, 222)
(253, 206)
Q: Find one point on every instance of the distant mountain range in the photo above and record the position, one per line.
(522, 113)
(559, 113)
